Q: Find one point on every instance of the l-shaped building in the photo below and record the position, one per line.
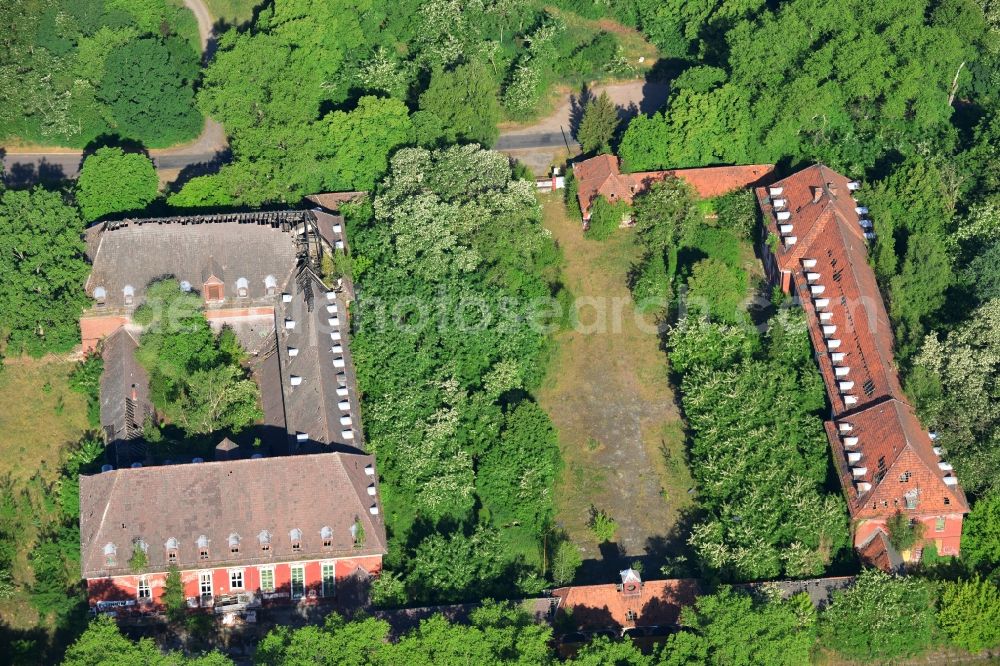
(815, 247)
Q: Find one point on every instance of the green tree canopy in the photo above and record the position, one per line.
(981, 533)
(598, 125)
(42, 260)
(954, 384)
(112, 181)
(196, 378)
(465, 100)
(969, 612)
(149, 97)
(103, 644)
(769, 632)
(881, 617)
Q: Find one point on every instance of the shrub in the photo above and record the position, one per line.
(565, 562)
(602, 525)
(605, 218)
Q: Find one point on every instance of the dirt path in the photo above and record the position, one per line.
(608, 393)
(204, 18)
(44, 162)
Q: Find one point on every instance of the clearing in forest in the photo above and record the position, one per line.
(40, 414)
(609, 396)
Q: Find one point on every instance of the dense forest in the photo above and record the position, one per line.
(73, 71)
(449, 262)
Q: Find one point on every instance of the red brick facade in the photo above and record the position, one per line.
(122, 593)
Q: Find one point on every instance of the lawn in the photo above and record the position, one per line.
(608, 393)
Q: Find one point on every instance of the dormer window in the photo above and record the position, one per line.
(109, 554)
(100, 296)
(270, 285)
(172, 546)
(296, 537)
(326, 534)
(129, 293)
(202, 547)
(234, 543)
(265, 540)
(242, 288)
(213, 292)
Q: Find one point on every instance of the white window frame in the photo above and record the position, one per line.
(333, 578)
(270, 572)
(940, 523)
(205, 577)
(291, 580)
(143, 589)
(237, 575)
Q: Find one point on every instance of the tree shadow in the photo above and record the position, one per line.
(18, 175)
(126, 145)
(197, 169)
(577, 105)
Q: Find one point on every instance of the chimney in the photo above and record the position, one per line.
(135, 394)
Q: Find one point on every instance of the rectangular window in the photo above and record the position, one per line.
(172, 556)
(203, 554)
(939, 525)
(236, 579)
(329, 579)
(144, 591)
(205, 583)
(267, 580)
(298, 582)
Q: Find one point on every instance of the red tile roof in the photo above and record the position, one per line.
(656, 602)
(877, 551)
(601, 176)
(822, 246)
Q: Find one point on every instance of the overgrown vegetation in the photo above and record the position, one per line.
(196, 378)
(447, 350)
(75, 70)
(758, 451)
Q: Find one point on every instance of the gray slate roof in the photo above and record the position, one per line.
(125, 400)
(219, 499)
(312, 408)
(137, 252)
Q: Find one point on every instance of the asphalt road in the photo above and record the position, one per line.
(26, 167)
(537, 140)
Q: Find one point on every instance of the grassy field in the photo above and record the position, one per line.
(40, 416)
(608, 393)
